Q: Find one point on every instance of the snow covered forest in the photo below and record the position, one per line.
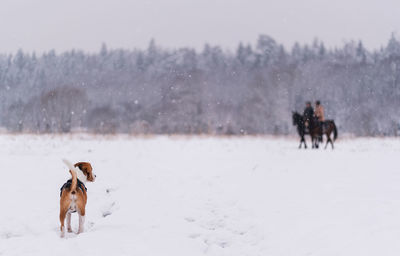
(213, 91)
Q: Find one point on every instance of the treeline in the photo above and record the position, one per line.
(183, 91)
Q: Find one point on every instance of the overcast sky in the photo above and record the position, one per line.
(41, 25)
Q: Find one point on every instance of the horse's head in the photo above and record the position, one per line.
(296, 118)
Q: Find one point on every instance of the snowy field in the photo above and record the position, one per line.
(203, 196)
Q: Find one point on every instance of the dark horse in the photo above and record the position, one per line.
(314, 130)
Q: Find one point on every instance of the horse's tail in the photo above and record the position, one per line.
(335, 132)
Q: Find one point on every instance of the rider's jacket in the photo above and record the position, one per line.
(308, 113)
(319, 113)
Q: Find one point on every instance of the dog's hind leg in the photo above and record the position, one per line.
(69, 229)
(63, 212)
(81, 213)
(81, 223)
(64, 204)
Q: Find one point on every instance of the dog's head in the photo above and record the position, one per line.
(86, 168)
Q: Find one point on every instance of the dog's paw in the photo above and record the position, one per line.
(62, 233)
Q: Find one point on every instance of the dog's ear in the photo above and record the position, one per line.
(86, 168)
(81, 166)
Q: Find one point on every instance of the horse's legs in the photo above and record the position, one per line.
(327, 141)
(301, 142)
(314, 141)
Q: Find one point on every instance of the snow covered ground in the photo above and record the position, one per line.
(203, 196)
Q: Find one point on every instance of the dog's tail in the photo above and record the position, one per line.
(73, 171)
(74, 181)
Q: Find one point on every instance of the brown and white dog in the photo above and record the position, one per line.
(73, 195)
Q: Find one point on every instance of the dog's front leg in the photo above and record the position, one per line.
(69, 229)
(81, 223)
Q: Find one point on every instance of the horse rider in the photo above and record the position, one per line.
(319, 111)
(308, 114)
(319, 114)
